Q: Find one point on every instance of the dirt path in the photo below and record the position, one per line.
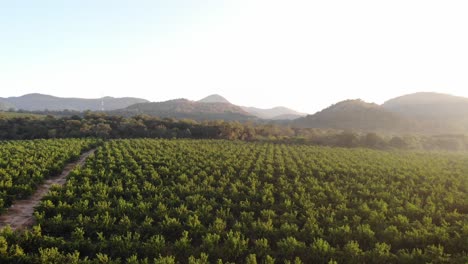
(20, 213)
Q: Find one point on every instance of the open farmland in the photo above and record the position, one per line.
(205, 201)
(26, 164)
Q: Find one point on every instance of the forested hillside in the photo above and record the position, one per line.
(428, 105)
(433, 112)
(275, 113)
(183, 108)
(358, 115)
(419, 113)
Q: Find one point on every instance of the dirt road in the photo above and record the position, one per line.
(20, 213)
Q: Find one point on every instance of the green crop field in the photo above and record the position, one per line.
(25, 164)
(213, 201)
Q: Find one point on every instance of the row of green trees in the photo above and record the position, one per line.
(25, 164)
(207, 201)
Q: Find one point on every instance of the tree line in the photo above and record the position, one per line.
(101, 125)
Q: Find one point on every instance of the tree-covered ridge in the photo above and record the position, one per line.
(25, 164)
(183, 108)
(437, 113)
(358, 115)
(429, 106)
(207, 201)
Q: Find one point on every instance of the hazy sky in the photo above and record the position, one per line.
(302, 54)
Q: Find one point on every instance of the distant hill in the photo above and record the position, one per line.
(276, 113)
(436, 113)
(183, 108)
(425, 113)
(288, 117)
(428, 105)
(355, 115)
(4, 105)
(40, 102)
(214, 98)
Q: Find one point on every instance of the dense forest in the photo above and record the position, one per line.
(101, 125)
(217, 201)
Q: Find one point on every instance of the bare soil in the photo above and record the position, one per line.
(20, 213)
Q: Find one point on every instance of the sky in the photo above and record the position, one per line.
(304, 55)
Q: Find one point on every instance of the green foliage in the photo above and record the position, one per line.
(211, 201)
(24, 165)
(101, 125)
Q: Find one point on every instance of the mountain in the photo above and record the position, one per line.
(214, 98)
(4, 105)
(424, 113)
(288, 117)
(436, 113)
(428, 105)
(355, 115)
(211, 107)
(276, 113)
(39, 102)
(183, 108)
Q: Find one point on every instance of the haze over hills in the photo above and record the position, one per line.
(40, 102)
(355, 115)
(428, 113)
(434, 112)
(4, 105)
(428, 105)
(425, 113)
(275, 113)
(211, 107)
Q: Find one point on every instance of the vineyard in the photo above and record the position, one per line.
(25, 164)
(215, 201)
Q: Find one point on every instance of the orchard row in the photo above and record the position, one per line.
(25, 164)
(214, 201)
